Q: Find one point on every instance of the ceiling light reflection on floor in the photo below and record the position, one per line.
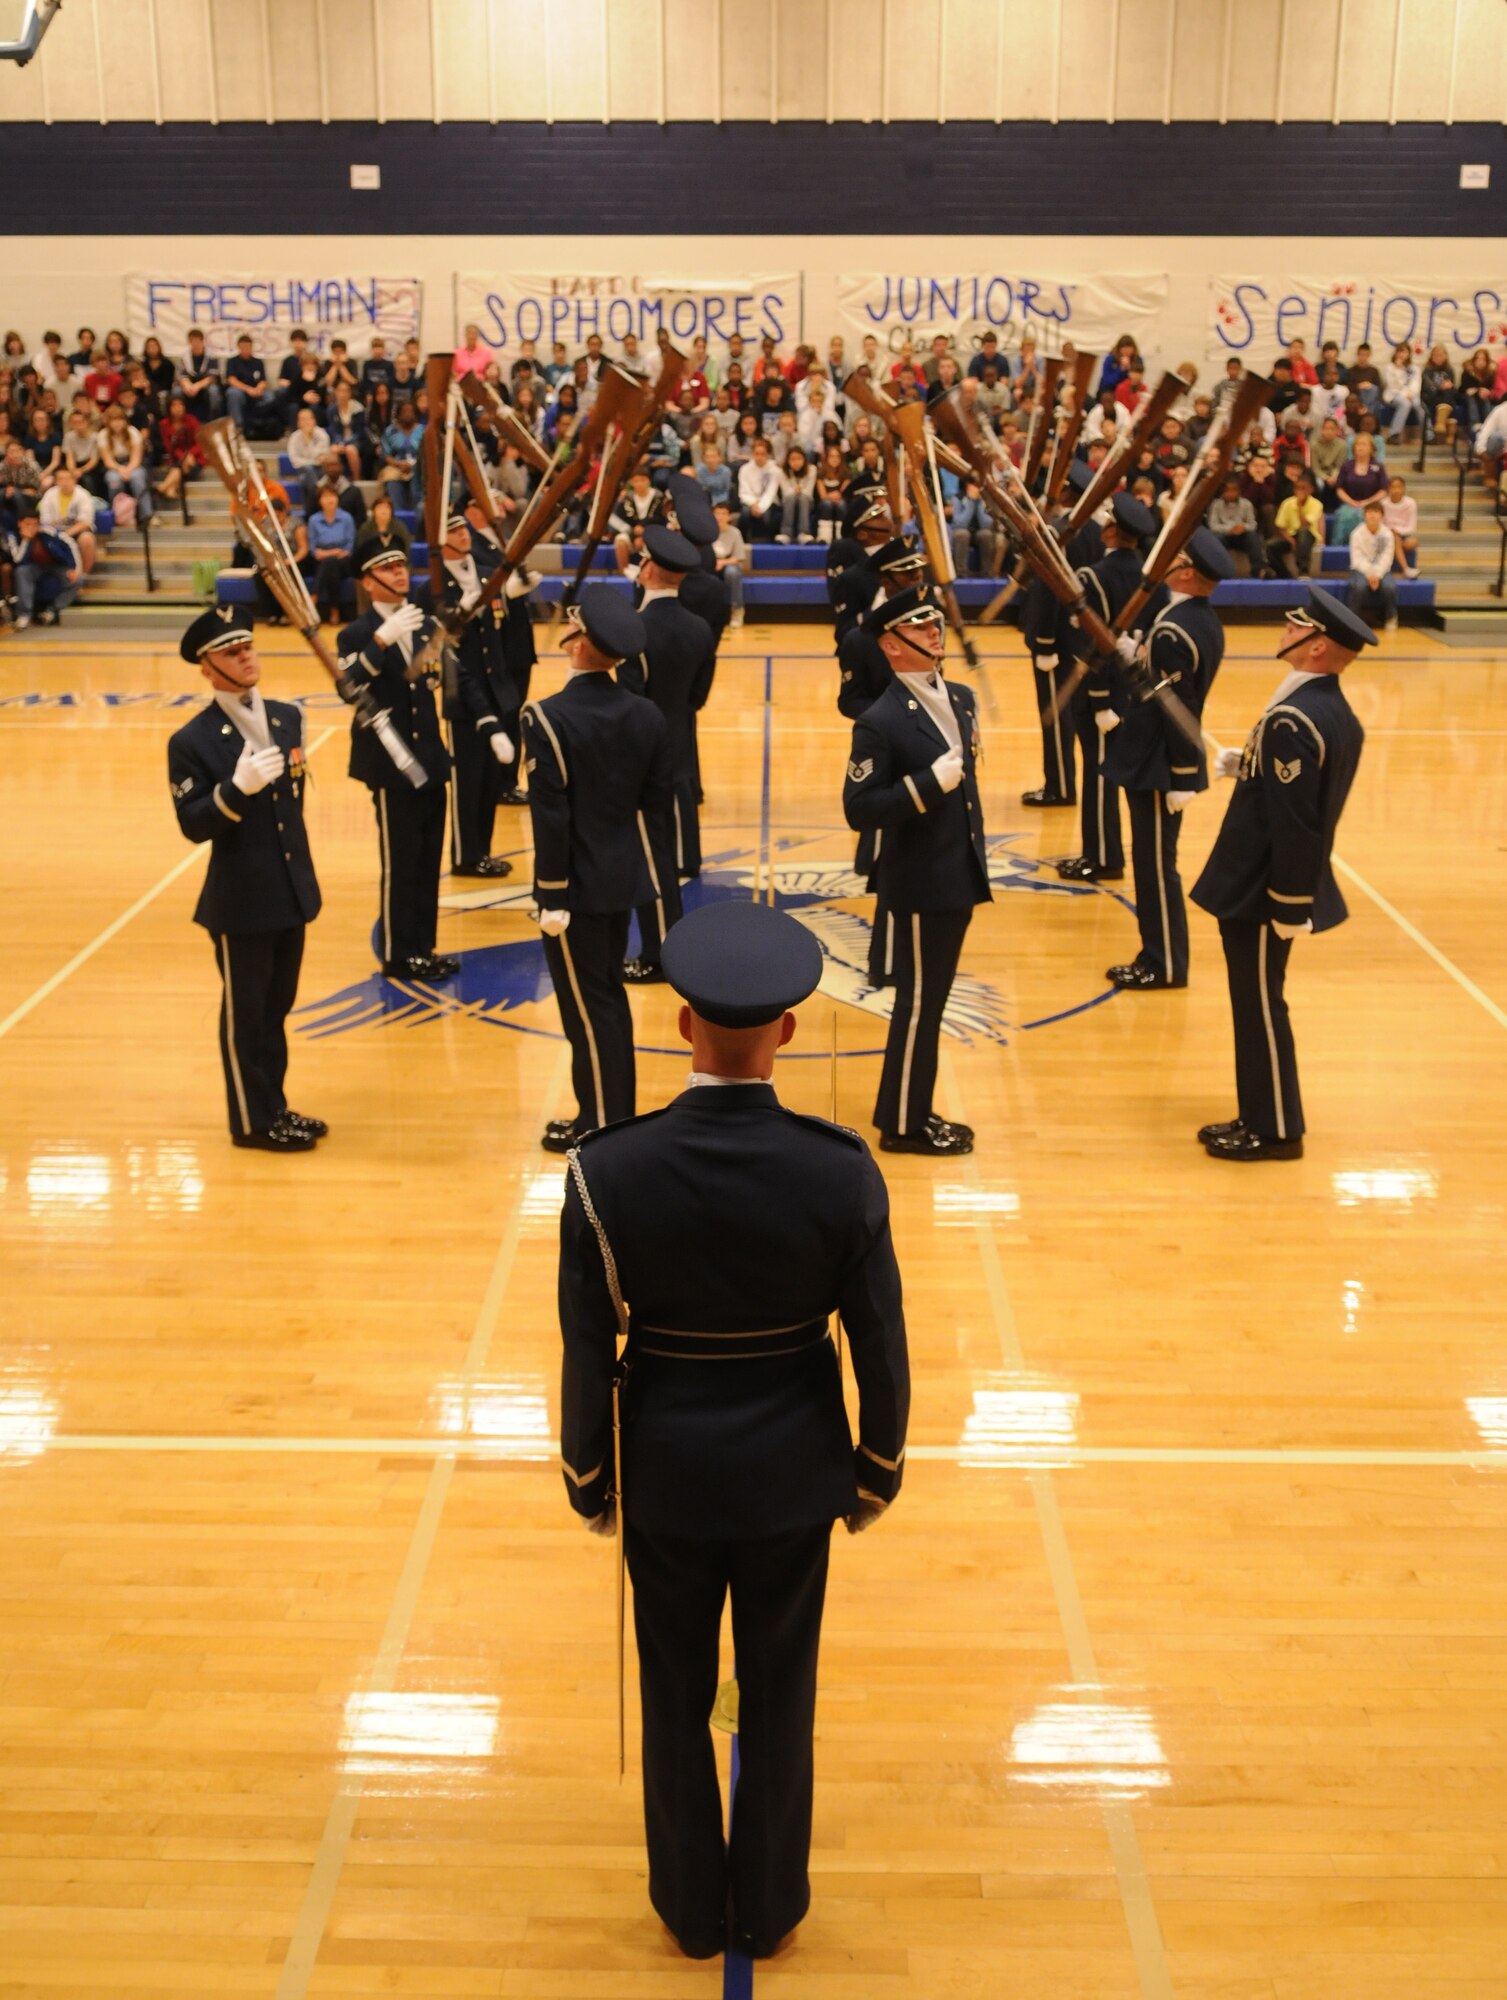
(1085, 1746)
(28, 1418)
(506, 1419)
(168, 1178)
(1018, 1424)
(413, 1735)
(1402, 1186)
(67, 1187)
(953, 1204)
(544, 1197)
(1489, 1415)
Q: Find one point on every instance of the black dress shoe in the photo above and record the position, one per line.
(935, 1136)
(512, 798)
(709, 1947)
(440, 966)
(1080, 869)
(643, 972)
(559, 1135)
(748, 1946)
(280, 1137)
(1042, 797)
(493, 864)
(1220, 1131)
(315, 1127)
(1140, 979)
(1248, 1145)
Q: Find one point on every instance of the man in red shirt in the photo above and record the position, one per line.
(1303, 369)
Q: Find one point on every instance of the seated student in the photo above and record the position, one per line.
(797, 497)
(1400, 512)
(1372, 592)
(181, 452)
(378, 368)
(102, 384)
(1172, 448)
(1327, 453)
(1363, 378)
(67, 509)
(123, 454)
(199, 379)
(380, 530)
(1232, 519)
(344, 422)
(248, 393)
(47, 569)
(759, 493)
(307, 447)
(332, 543)
(1297, 539)
(289, 396)
(401, 443)
(1438, 387)
(44, 440)
(1362, 479)
(714, 476)
(339, 369)
(1130, 392)
(731, 553)
(970, 525)
(639, 503)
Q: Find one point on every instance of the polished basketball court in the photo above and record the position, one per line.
(1179, 1668)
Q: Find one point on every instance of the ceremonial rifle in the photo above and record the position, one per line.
(1072, 429)
(617, 392)
(1014, 506)
(1118, 462)
(634, 432)
(1042, 418)
(256, 523)
(906, 424)
(438, 472)
(509, 426)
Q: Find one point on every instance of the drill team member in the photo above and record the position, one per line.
(236, 773)
(1269, 879)
(600, 794)
(385, 648)
(1159, 770)
(481, 743)
(675, 671)
(738, 1230)
(517, 640)
(913, 775)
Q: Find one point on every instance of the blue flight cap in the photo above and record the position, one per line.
(741, 965)
(224, 625)
(1134, 516)
(610, 621)
(1337, 621)
(671, 550)
(692, 510)
(1208, 555)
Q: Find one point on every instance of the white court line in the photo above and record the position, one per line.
(984, 1458)
(1147, 1948)
(324, 1878)
(111, 930)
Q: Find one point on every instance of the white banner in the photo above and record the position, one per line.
(268, 307)
(1256, 318)
(1092, 313)
(571, 306)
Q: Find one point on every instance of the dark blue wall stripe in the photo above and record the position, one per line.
(755, 179)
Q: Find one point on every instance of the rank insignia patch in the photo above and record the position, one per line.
(857, 773)
(1287, 772)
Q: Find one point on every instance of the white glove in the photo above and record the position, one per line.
(256, 769)
(1227, 764)
(604, 1523)
(403, 618)
(864, 1516)
(1127, 648)
(553, 922)
(1287, 932)
(1045, 661)
(948, 770)
(502, 746)
(1177, 800)
(520, 583)
(1105, 719)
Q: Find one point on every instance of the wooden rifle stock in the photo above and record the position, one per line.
(632, 439)
(1120, 460)
(1042, 419)
(508, 425)
(1072, 430)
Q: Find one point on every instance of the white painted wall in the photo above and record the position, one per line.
(760, 59)
(68, 281)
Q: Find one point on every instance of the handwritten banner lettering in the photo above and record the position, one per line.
(268, 307)
(571, 307)
(1092, 313)
(1256, 318)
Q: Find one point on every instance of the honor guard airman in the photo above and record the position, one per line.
(1150, 757)
(743, 1234)
(1047, 628)
(481, 709)
(701, 590)
(1108, 585)
(863, 675)
(913, 775)
(518, 649)
(601, 788)
(237, 775)
(1270, 879)
(675, 671)
(851, 585)
(388, 648)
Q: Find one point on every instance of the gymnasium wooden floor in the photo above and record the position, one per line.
(1181, 1667)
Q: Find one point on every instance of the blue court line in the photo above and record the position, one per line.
(737, 1971)
(1068, 1012)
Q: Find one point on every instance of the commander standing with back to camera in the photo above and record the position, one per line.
(723, 1233)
